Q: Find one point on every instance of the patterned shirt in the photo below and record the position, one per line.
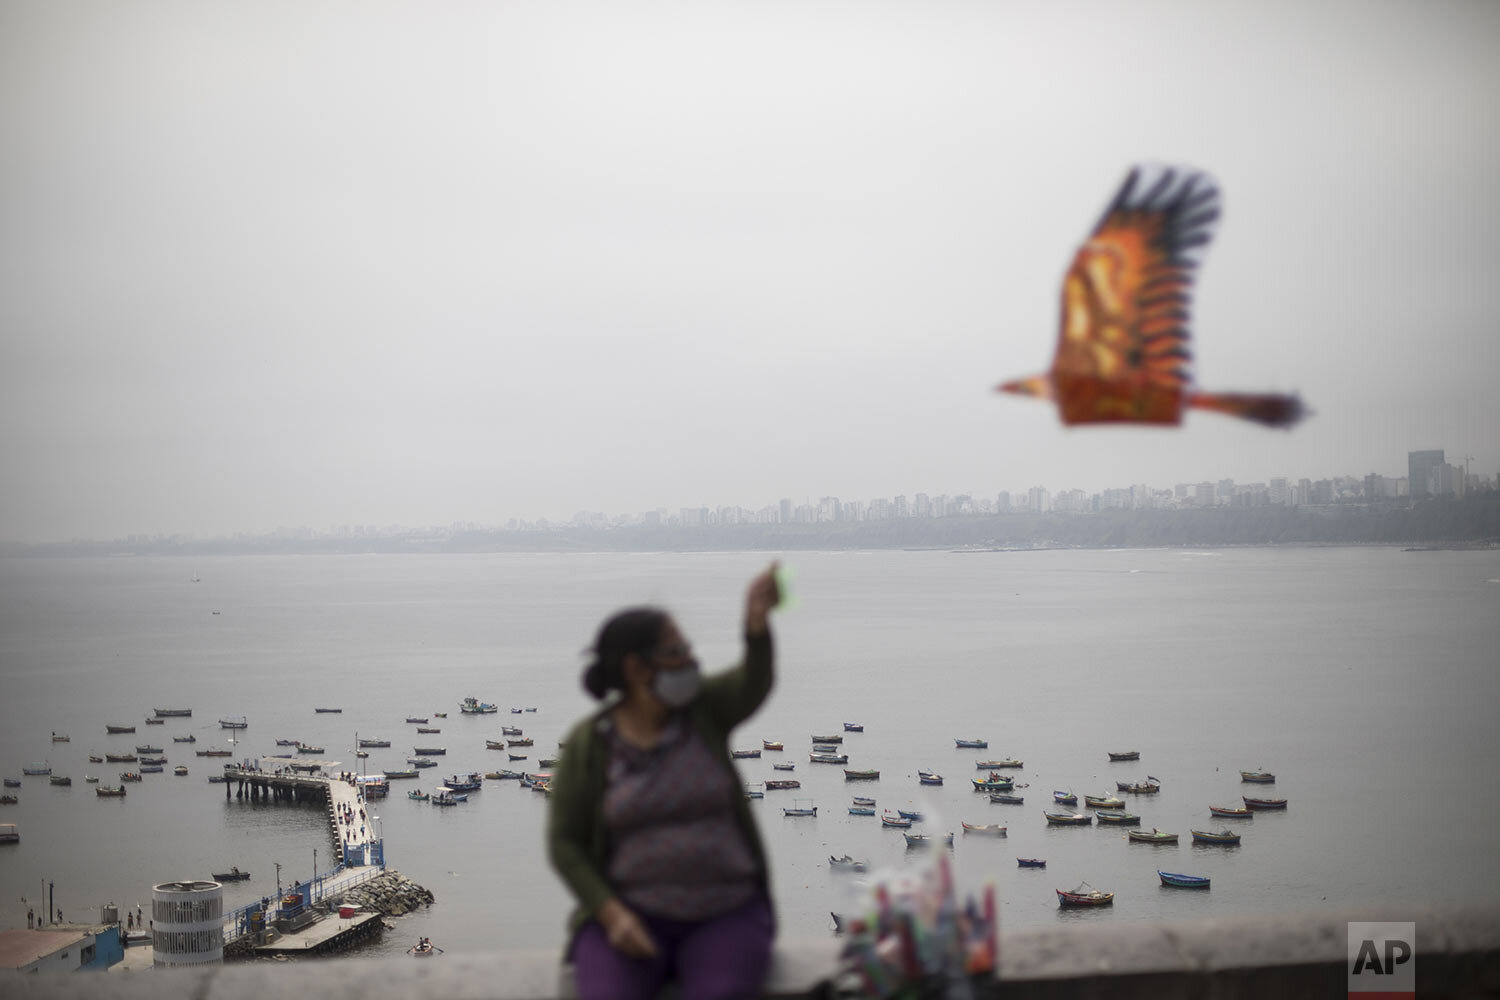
(676, 850)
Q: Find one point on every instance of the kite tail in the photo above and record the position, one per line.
(1271, 409)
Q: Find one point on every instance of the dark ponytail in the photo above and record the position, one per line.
(634, 630)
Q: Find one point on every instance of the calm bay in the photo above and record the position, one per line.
(1365, 678)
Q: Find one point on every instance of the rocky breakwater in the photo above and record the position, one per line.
(390, 893)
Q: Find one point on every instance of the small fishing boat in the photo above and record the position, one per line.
(1117, 817)
(1006, 799)
(1065, 798)
(95, 759)
(1068, 819)
(288, 743)
(548, 761)
(156, 722)
(846, 863)
(828, 758)
(121, 758)
(751, 792)
(233, 875)
(60, 779)
(797, 809)
(447, 798)
(1031, 862)
(233, 722)
(119, 729)
(149, 759)
(785, 765)
(59, 738)
(494, 744)
(439, 715)
(836, 738)
(744, 754)
(435, 751)
(929, 778)
(861, 810)
(189, 738)
(91, 779)
(471, 782)
(994, 783)
(9, 833)
(782, 783)
(1147, 787)
(1103, 802)
(129, 776)
(310, 748)
(989, 829)
(927, 840)
(1124, 755)
(421, 721)
(1154, 837)
(1225, 836)
(1183, 881)
(180, 770)
(516, 756)
(1084, 895)
(901, 822)
(854, 727)
(215, 752)
(524, 741)
(473, 706)
(515, 711)
(13, 782)
(1259, 777)
(110, 791)
(972, 744)
(421, 762)
(772, 745)
(8, 800)
(1231, 812)
(418, 796)
(861, 800)
(908, 814)
(504, 775)
(510, 731)
(530, 708)
(39, 767)
(409, 772)
(832, 748)
(860, 775)
(428, 730)
(990, 765)
(374, 744)
(172, 713)
(424, 949)
(328, 711)
(1263, 803)
(151, 769)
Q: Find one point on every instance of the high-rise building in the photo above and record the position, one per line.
(1419, 472)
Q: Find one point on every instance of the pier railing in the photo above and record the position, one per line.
(333, 882)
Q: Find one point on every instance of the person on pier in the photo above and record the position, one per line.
(648, 826)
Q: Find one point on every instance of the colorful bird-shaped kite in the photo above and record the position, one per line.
(1122, 352)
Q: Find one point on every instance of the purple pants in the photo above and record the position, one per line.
(725, 958)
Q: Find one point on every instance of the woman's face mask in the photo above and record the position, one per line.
(677, 680)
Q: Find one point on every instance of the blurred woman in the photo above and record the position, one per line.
(649, 825)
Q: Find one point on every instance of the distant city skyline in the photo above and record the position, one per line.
(1276, 490)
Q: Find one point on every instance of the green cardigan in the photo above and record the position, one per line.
(576, 837)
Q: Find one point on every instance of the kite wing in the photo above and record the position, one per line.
(1126, 298)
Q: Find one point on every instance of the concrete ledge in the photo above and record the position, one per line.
(1285, 957)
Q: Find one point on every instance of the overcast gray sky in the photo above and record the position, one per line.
(312, 263)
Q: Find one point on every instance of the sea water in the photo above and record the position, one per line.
(1365, 678)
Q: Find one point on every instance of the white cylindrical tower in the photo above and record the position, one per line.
(187, 922)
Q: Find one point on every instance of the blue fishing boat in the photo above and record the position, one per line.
(1031, 862)
(972, 744)
(1183, 881)
(907, 814)
(1065, 798)
(929, 778)
(854, 727)
(861, 810)
(994, 783)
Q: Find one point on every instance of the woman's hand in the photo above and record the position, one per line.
(762, 596)
(625, 932)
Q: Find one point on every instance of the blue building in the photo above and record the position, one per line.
(62, 948)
